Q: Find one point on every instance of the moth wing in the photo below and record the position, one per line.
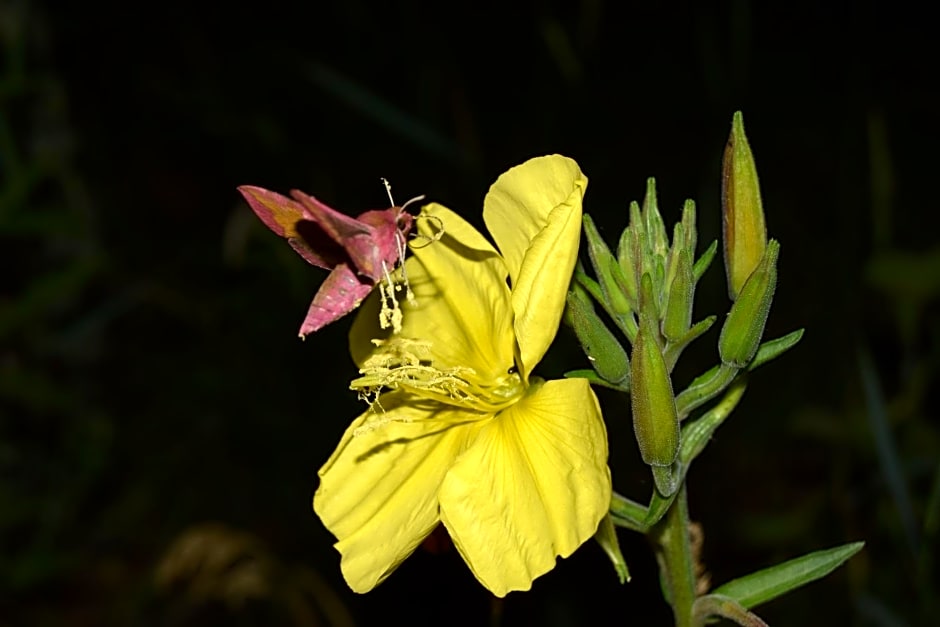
(341, 292)
(354, 236)
(289, 219)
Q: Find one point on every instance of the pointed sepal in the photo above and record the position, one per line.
(606, 536)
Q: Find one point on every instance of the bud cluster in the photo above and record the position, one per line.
(647, 290)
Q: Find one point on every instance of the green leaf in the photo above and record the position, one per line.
(704, 261)
(770, 583)
(697, 434)
(674, 349)
(771, 349)
(704, 388)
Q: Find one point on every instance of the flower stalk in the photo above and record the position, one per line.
(674, 555)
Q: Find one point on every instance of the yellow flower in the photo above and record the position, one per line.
(513, 466)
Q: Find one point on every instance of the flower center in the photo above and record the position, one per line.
(402, 363)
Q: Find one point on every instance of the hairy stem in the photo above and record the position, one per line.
(674, 554)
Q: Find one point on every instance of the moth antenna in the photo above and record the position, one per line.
(388, 190)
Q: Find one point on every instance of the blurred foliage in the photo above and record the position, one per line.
(211, 568)
(151, 380)
(56, 436)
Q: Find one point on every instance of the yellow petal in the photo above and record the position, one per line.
(462, 302)
(534, 214)
(534, 484)
(378, 492)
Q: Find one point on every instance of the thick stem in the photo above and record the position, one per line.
(674, 553)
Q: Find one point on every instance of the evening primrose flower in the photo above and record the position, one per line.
(513, 466)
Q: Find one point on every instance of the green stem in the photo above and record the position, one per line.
(674, 554)
(712, 605)
(704, 388)
(628, 513)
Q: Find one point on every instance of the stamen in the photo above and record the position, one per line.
(404, 362)
(390, 314)
(437, 230)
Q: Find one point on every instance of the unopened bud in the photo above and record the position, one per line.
(655, 228)
(605, 353)
(677, 317)
(655, 421)
(745, 234)
(744, 326)
(627, 259)
(609, 274)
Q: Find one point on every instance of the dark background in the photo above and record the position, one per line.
(161, 425)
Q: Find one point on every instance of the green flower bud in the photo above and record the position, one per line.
(627, 259)
(688, 227)
(655, 421)
(744, 326)
(634, 250)
(602, 348)
(609, 274)
(655, 228)
(677, 317)
(745, 234)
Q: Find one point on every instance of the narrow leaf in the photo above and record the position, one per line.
(771, 349)
(704, 261)
(770, 583)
